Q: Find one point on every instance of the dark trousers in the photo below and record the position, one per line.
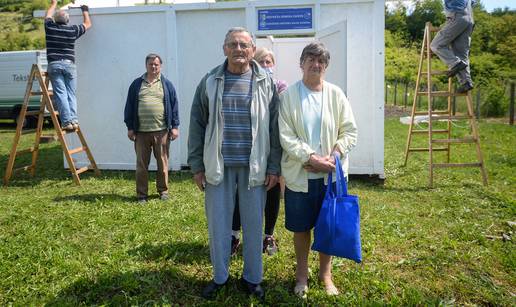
(271, 211)
(145, 144)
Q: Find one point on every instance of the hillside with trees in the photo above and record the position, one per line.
(493, 52)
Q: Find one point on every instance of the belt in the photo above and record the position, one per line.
(62, 60)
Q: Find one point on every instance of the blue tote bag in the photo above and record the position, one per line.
(337, 230)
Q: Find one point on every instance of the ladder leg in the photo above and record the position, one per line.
(429, 91)
(19, 127)
(414, 104)
(88, 152)
(39, 130)
(476, 136)
(448, 123)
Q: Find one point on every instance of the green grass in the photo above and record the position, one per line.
(93, 245)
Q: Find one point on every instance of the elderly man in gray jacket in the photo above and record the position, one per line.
(233, 145)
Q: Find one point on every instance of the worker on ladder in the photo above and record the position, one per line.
(60, 41)
(453, 41)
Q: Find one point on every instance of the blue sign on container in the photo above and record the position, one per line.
(285, 19)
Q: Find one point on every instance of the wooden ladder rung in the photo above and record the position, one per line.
(68, 131)
(23, 168)
(24, 151)
(77, 150)
(433, 131)
(32, 113)
(433, 112)
(455, 141)
(442, 165)
(28, 131)
(434, 29)
(427, 149)
(82, 170)
(437, 117)
(39, 93)
(435, 72)
(441, 94)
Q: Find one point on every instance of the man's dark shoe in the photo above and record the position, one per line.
(464, 88)
(455, 69)
(235, 244)
(210, 291)
(253, 289)
(142, 200)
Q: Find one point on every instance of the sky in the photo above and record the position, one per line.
(489, 5)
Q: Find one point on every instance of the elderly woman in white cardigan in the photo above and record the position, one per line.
(316, 126)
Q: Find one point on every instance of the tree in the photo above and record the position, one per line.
(396, 20)
(424, 11)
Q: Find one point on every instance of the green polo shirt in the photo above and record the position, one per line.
(151, 108)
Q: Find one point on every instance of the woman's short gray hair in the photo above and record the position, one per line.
(237, 30)
(315, 49)
(61, 17)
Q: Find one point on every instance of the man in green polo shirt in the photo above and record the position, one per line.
(152, 120)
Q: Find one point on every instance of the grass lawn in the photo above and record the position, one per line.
(93, 245)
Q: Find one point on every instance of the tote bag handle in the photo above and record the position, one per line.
(341, 182)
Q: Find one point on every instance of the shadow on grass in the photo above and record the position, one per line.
(182, 252)
(153, 287)
(164, 287)
(96, 197)
(48, 166)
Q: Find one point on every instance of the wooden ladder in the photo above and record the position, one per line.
(442, 143)
(46, 103)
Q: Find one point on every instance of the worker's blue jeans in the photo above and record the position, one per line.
(63, 76)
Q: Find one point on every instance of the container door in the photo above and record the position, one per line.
(335, 39)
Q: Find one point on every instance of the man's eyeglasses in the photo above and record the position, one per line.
(234, 45)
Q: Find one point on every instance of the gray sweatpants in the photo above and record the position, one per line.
(452, 43)
(219, 206)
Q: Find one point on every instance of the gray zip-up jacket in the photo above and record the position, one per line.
(206, 127)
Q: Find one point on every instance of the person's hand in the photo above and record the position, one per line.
(319, 164)
(131, 135)
(200, 180)
(271, 181)
(173, 134)
(335, 155)
(85, 8)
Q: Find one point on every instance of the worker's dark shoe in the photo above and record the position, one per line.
(253, 289)
(210, 291)
(455, 69)
(464, 88)
(68, 127)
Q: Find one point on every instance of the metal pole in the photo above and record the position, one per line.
(405, 95)
(395, 90)
(511, 106)
(386, 93)
(478, 104)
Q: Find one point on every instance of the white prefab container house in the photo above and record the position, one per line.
(189, 37)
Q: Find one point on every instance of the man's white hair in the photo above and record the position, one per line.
(61, 16)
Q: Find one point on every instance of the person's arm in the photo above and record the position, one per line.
(174, 131)
(274, 159)
(86, 16)
(347, 136)
(290, 141)
(196, 133)
(51, 10)
(129, 113)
